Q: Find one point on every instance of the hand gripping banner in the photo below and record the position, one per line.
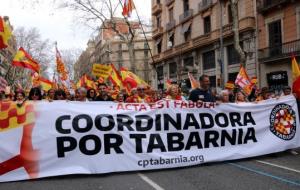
(44, 139)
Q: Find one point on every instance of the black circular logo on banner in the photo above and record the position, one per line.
(283, 121)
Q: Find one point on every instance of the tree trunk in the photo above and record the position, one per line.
(235, 28)
(130, 45)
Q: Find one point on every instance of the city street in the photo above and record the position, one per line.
(277, 171)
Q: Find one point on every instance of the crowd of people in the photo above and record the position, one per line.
(144, 94)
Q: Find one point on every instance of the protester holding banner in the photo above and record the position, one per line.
(81, 93)
(224, 96)
(203, 93)
(60, 94)
(174, 93)
(91, 94)
(240, 97)
(19, 97)
(35, 94)
(51, 94)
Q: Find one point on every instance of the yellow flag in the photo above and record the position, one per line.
(295, 69)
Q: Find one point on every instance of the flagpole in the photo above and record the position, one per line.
(142, 30)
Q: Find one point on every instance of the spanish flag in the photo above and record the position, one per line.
(5, 33)
(23, 59)
(296, 77)
(130, 80)
(90, 83)
(128, 7)
(45, 84)
(86, 82)
(115, 77)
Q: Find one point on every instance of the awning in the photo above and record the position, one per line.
(171, 33)
(185, 27)
(158, 41)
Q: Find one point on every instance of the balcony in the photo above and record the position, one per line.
(156, 9)
(282, 51)
(267, 5)
(169, 2)
(170, 25)
(157, 32)
(204, 5)
(187, 15)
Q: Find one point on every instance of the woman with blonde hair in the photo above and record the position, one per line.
(174, 93)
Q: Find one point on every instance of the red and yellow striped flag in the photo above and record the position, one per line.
(128, 7)
(23, 59)
(5, 33)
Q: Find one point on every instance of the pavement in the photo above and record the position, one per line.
(275, 172)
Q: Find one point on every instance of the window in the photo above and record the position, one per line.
(171, 40)
(212, 80)
(186, 5)
(209, 61)
(187, 34)
(207, 25)
(232, 55)
(158, 21)
(158, 46)
(232, 76)
(171, 14)
(146, 49)
(188, 62)
(298, 22)
(160, 77)
(275, 39)
(172, 70)
(230, 18)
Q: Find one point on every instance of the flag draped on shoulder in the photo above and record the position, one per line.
(23, 59)
(243, 81)
(296, 77)
(194, 83)
(5, 33)
(128, 7)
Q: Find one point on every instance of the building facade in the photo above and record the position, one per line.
(113, 47)
(278, 40)
(84, 63)
(7, 54)
(196, 36)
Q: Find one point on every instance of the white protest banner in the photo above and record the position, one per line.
(50, 139)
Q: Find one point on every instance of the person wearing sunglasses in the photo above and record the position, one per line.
(35, 94)
(60, 94)
(91, 94)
